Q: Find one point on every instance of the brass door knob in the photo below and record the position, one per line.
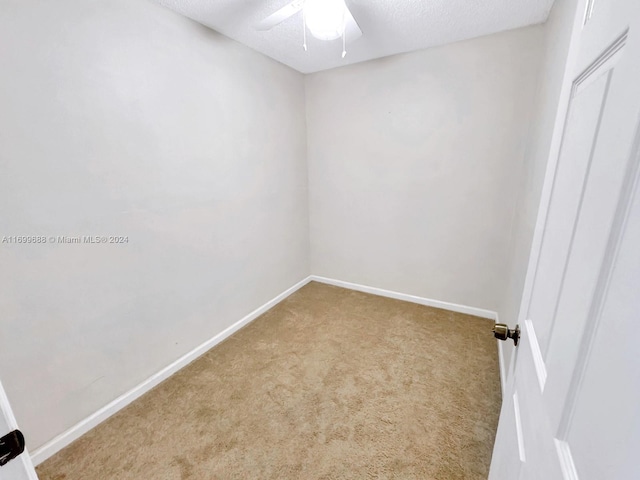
(502, 331)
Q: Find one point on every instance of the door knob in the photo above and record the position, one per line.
(11, 445)
(502, 331)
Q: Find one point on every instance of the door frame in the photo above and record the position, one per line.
(7, 413)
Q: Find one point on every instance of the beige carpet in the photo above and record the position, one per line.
(329, 384)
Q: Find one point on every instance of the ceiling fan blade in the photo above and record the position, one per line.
(280, 15)
(351, 29)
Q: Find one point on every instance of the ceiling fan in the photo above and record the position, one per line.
(325, 19)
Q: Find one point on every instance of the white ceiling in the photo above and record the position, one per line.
(388, 26)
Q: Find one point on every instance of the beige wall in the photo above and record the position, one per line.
(120, 117)
(414, 165)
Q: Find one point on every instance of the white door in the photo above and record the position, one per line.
(20, 468)
(571, 409)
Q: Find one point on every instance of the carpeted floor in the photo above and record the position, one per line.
(329, 384)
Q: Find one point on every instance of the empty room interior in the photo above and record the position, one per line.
(319, 239)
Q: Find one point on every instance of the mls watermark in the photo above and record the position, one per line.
(64, 239)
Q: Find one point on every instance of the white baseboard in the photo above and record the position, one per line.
(454, 307)
(59, 442)
(478, 312)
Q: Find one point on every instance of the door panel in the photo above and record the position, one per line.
(574, 317)
(509, 429)
(536, 429)
(578, 388)
(584, 119)
(613, 367)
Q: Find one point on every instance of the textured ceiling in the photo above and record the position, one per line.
(388, 26)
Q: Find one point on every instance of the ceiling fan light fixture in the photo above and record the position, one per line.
(325, 18)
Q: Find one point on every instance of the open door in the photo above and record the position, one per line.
(571, 406)
(20, 467)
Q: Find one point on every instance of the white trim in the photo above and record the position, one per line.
(567, 466)
(59, 442)
(519, 434)
(5, 409)
(502, 367)
(454, 307)
(27, 464)
(7, 413)
(503, 374)
(536, 353)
